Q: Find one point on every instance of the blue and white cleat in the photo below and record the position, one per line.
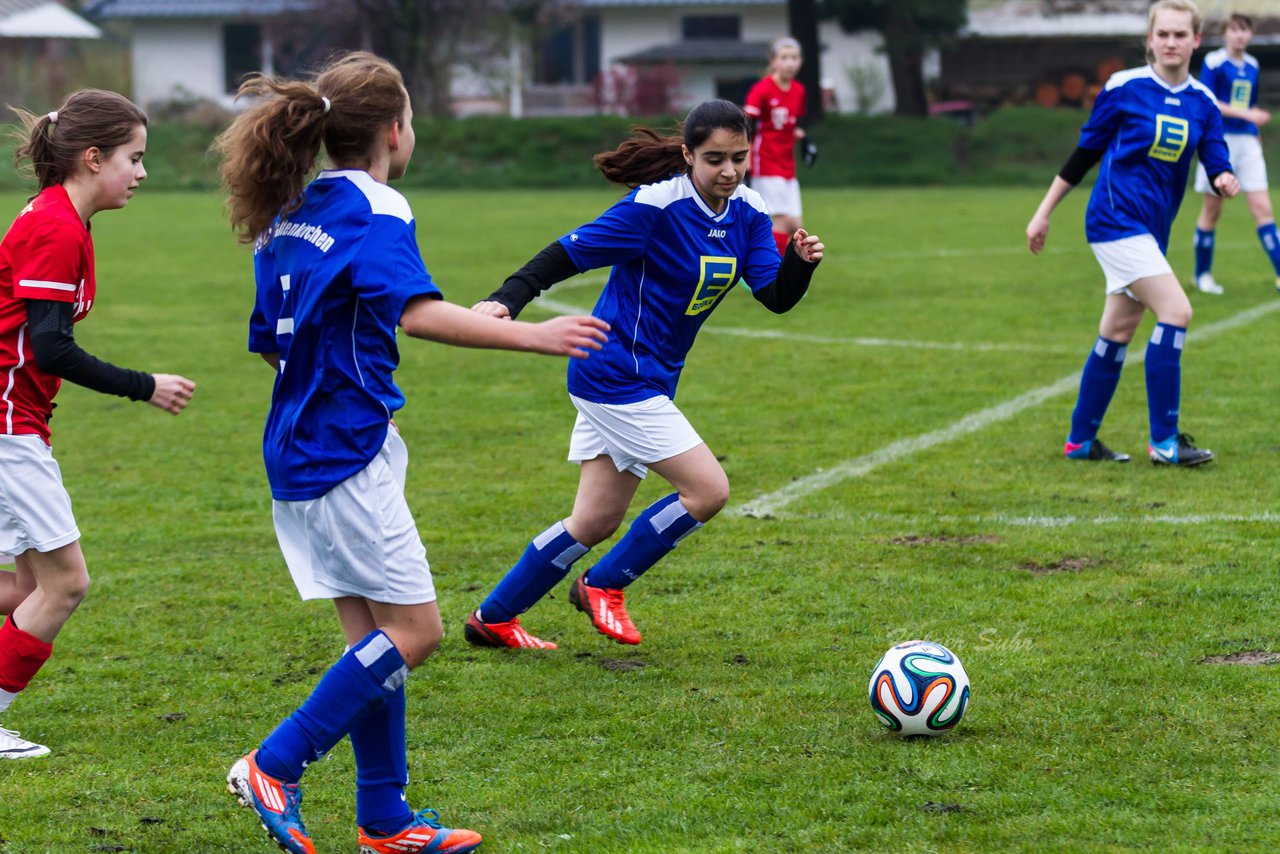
(276, 802)
(1179, 450)
(1092, 449)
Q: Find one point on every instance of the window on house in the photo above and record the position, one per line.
(568, 54)
(718, 27)
(241, 52)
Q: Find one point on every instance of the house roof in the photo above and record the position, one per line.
(702, 52)
(192, 8)
(608, 4)
(1027, 19)
(1083, 18)
(43, 19)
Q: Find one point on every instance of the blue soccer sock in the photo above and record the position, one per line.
(656, 531)
(382, 767)
(1271, 243)
(1164, 379)
(367, 674)
(1204, 251)
(1098, 383)
(545, 561)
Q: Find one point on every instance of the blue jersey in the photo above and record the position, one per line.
(333, 278)
(1233, 84)
(673, 261)
(1149, 131)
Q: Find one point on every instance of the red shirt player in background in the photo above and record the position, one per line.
(776, 103)
(87, 157)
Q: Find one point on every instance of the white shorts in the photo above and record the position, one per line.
(781, 195)
(35, 510)
(632, 434)
(1247, 163)
(359, 539)
(1128, 259)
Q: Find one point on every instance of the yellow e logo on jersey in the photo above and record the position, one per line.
(1241, 93)
(1171, 138)
(717, 275)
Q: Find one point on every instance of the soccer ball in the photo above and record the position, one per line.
(919, 688)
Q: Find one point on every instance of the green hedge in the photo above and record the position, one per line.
(1021, 145)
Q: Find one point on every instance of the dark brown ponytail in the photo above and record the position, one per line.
(648, 156)
(50, 145)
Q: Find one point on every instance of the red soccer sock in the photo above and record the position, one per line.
(782, 239)
(21, 656)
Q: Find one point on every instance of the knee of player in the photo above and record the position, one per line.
(421, 647)
(74, 589)
(707, 501)
(1179, 316)
(595, 530)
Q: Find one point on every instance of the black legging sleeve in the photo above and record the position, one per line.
(549, 266)
(54, 345)
(792, 283)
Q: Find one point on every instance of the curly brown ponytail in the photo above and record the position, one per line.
(270, 150)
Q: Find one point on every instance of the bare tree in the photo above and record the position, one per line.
(428, 39)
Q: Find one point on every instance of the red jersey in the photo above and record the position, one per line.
(773, 151)
(48, 255)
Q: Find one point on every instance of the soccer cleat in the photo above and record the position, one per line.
(13, 747)
(276, 802)
(1092, 449)
(606, 608)
(1179, 450)
(510, 635)
(1206, 284)
(424, 836)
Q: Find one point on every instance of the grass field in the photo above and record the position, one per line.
(897, 441)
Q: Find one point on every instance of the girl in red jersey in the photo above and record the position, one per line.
(776, 103)
(87, 157)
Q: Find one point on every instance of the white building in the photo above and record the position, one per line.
(195, 49)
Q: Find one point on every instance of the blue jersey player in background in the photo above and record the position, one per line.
(1145, 126)
(338, 268)
(1232, 73)
(677, 243)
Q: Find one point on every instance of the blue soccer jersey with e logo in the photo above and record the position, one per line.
(674, 260)
(1232, 83)
(1148, 131)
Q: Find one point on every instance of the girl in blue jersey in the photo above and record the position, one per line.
(337, 268)
(1232, 73)
(1145, 126)
(677, 243)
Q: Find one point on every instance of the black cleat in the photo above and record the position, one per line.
(1178, 451)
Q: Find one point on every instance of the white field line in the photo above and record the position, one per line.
(770, 503)
(921, 522)
(558, 307)
(1009, 249)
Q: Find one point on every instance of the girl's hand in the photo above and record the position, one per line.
(1228, 185)
(570, 336)
(1037, 232)
(808, 246)
(172, 393)
(492, 309)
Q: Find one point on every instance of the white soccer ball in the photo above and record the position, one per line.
(919, 688)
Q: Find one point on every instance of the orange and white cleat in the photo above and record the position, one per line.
(509, 635)
(607, 609)
(276, 802)
(425, 836)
